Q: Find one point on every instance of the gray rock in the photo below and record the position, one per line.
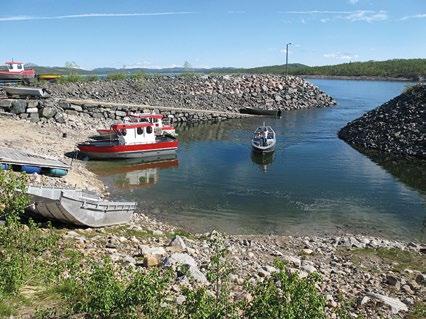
(7, 104)
(292, 260)
(18, 106)
(48, 112)
(157, 251)
(34, 117)
(178, 243)
(75, 107)
(60, 118)
(395, 304)
(182, 259)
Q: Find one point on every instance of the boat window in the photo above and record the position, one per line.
(139, 130)
(19, 66)
(149, 129)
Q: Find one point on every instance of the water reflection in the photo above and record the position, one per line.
(410, 171)
(264, 160)
(134, 173)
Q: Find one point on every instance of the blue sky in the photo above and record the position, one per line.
(138, 33)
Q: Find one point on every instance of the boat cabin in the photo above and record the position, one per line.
(134, 133)
(155, 119)
(14, 66)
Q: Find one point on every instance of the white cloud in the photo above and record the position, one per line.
(416, 16)
(91, 15)
(352, 16)
(367, 16)
(340, 56)
(353, 1)
(318, 12)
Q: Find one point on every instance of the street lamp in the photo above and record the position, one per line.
(286, 57)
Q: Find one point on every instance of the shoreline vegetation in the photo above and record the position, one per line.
(393, 70)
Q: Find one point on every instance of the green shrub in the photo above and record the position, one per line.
(13, 197)
(138, 75)
(201, 303)
(71, 78)
(116, 76)
(285, 295)
(91, 78)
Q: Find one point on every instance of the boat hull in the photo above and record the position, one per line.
(112, 150)
(263, 149)
(78, 208)
(5, 75)
(255, 111)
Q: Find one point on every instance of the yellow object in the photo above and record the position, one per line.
(49, 77)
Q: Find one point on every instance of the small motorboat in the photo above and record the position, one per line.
(16, 72)
(134, 140)
(78, 207)
(157, 120)
(264, 139)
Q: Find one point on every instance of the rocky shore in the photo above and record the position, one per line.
(370, 277)
(396, 127)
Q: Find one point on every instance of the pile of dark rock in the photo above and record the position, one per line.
(219, 93)
(396, 127)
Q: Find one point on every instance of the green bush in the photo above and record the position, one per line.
(285, 295)
(138, 75)
(99, 293)
(71, 78)
(91, 78)
(116, 76)
(13, 197)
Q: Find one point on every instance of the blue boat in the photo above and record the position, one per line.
(29, 169)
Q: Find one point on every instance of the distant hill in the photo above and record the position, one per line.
(398, 68)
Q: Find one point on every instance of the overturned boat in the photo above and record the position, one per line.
(78, 207)
(25, 92)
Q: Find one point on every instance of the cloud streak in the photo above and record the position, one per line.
(352, 16)
(416, 16)
(340, 56)
(92, 15)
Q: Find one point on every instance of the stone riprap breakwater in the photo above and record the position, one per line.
(396, 127)
(58, 110)
(220, 93)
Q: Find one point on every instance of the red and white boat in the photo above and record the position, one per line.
(134, 140)
(16, 71)
(156, 120)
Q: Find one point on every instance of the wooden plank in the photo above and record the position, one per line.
(17, 157)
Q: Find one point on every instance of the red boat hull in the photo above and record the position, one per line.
(107, 149)
(27, 74)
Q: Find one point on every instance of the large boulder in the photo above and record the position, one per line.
(18, 106)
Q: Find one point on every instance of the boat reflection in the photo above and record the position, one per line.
(264, 160)
(134, 173)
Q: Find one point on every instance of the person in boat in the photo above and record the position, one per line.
(265, 136)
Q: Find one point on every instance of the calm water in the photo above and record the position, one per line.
(314, 183)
